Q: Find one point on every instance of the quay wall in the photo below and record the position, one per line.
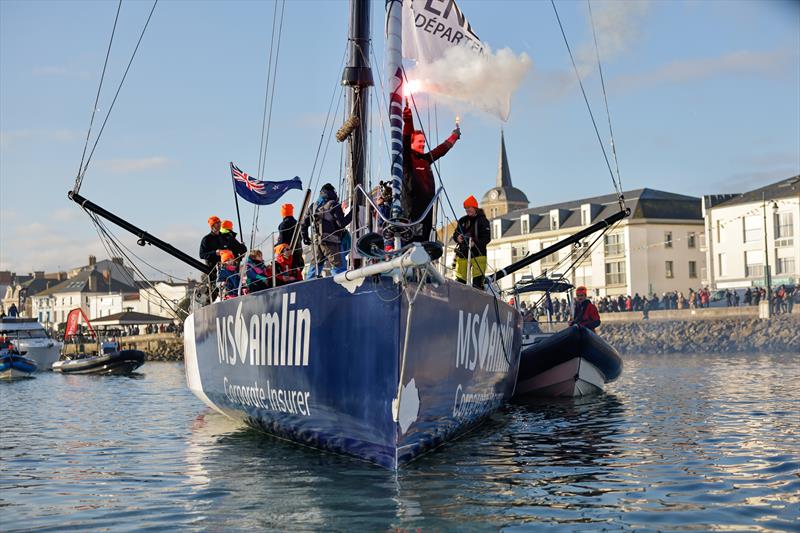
(779, 334)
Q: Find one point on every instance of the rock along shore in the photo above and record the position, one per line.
(779, 334)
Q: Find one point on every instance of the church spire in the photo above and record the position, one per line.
(503, 172)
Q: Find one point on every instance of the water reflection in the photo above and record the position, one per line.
(680, 443)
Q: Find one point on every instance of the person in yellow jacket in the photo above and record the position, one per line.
(471, 236)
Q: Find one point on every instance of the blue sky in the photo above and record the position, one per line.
(704, 98)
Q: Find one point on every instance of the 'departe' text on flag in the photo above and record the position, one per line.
(261, 192)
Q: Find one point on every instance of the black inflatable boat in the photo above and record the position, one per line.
(117, 362)
(572, 362)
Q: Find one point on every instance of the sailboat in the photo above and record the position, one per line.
(383, 362)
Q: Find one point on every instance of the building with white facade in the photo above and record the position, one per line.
(754, 235)
(656, 249)
(51, 306)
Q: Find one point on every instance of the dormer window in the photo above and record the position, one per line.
(525, 221)
(497, 229)
(553, 222)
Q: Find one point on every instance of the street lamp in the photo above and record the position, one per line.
(767, 277)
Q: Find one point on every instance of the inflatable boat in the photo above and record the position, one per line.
(572, 362)
(13, 365)
(116, 362)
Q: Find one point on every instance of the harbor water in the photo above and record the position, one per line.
(680, 442)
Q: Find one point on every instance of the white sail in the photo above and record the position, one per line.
(453, 63)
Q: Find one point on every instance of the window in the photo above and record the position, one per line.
(553, 222)
(691, 240)
(751, 226)
(720, 233)
(754, 263)
(667, 239)
(551, 259)
(615, 273)
(722, 265)
(524, 220)
(784, 265)
(614, 244)
(668, 269)
(692, 269)
(584, 217)
(784, 229)
(496, 229)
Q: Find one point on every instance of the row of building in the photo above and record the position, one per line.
(99, 288)
(671, 242)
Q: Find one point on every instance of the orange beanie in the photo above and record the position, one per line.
(227, 224)
(471, 202)
(581, 290)
(213, 220)
(225, 255)
(280, 248)
(287, 210)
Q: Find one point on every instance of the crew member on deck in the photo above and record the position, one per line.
(230, 240)
(585, 313)
(418, 183)
(286, 231)
(473, 233)
(285, 271)
(228, 274)
(211, 245)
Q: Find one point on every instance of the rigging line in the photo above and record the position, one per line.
(261, 143)
(130, 251)
(586, 99)
(605, 97)
(96, 100)
(266, 94)
(272, 92)
(336, 87)
(110, 240)
(122, 81)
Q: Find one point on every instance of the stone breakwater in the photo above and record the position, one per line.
(780, 334)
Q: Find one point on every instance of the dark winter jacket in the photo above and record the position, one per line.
(585, 314)
(330, 222)
(477, 229)
(419, 186)
(233, 244)
(209, 246)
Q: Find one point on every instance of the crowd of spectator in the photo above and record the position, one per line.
(558, 309)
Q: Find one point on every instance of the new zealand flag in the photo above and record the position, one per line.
(261, 192)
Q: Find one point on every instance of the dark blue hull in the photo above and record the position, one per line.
(314, 364)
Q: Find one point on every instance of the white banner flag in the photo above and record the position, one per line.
(431, 27)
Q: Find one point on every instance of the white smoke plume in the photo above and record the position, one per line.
(485, 81)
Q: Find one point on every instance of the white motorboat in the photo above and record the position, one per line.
(31, 339)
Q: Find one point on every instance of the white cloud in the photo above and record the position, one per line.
(773, 63)
(122, 166)
(9, 137)
(50, 70)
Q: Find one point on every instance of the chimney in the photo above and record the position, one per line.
(116, 260)
(38, 274)
(62, 276)
(107, 276)
(92, 281)
(92, 260)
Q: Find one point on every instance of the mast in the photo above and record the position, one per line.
(358, 76)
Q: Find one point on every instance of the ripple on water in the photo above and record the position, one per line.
(679, 443)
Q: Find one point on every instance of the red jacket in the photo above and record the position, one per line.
(285, 272)
(418, 180)
(585, 314)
